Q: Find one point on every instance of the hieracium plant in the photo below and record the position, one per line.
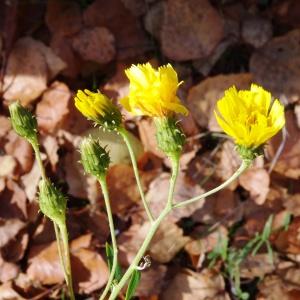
(250, 117)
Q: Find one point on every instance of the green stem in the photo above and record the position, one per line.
(245, 164)
(59, 247)
(151, 232)
(39, 159)
(102, 181)
(67, 261)
(126, 138)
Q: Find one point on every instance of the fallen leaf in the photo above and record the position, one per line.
(185, 188)
(201, 286)
(30, 65)
(185, 26)
(9, 229)
(8, 166)
(21, 150)
(52, 110)
(51, 147)
(136, 7)
(256, 181)
(5, 126)
(7, 292)
(202, 98)
(8, 272)
(95, 44)
(276, 65)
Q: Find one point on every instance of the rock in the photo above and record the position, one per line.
(95, 44)
(256, 31)
(185, 28)
(276, 65)
(153, 19)
(30, 65)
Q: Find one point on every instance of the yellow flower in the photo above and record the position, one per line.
(99, 108)
(249, 117)
(153, 92)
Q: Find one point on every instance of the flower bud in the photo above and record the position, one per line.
(94, 158)
(52, 202)
(99, 108)
(169, 136)
(23, 122)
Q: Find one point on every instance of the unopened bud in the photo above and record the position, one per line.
(23, 122)
(169, 136)
(52, 202)
(94, 158)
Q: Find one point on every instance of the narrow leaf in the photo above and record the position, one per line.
(133, 284)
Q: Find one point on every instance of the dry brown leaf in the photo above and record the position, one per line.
(136, 7)
(256, 181)
(185, 188)
(5, 126)
(9, 229)
(95, 44)
(51, 147)
(276, 65)
(31, 180)
(152, 281)
(7, 292)
(167, 242)
(288, 163)
(292, 204)
(90, 272)
(21, 150)
(8, 271)
(202, 97)
(286, 12)
(185, 26)
(52, 110)
(8, 166)
(30, 65)
(201, 286)
(130, 37)
(153, 19)
(63, 17)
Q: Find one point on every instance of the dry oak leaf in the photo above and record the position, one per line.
(185, 188)
(30, 65)
(185, 26)
(276, 65)
(202, 97)
(95, 44)
(256, 181)
(52, 110)
(167, 242)
(90, 272)
(201, 286)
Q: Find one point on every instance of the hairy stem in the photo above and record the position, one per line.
(102, 181)
(126, 138)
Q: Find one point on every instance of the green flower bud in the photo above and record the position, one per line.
(52, 202)
(94, 158)
(23, 122)
(169, 136)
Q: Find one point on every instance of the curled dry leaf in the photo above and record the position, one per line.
(52, 110)
(185, 26)
(30, 65)
(202, 97)
(201, 286)
(276, 65)
(95, 44)
(256, 181)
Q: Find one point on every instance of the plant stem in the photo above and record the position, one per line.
(152, 230)
(245, 164)
(140, 254)
(126, 138)
(60, 248)
(39, 159)
(67, 261)
(102, 181)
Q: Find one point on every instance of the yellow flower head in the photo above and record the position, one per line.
(153, 92)
(249, 117)
(99, 108)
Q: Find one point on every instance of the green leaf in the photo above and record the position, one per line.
(110, 257)
(133, 284)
